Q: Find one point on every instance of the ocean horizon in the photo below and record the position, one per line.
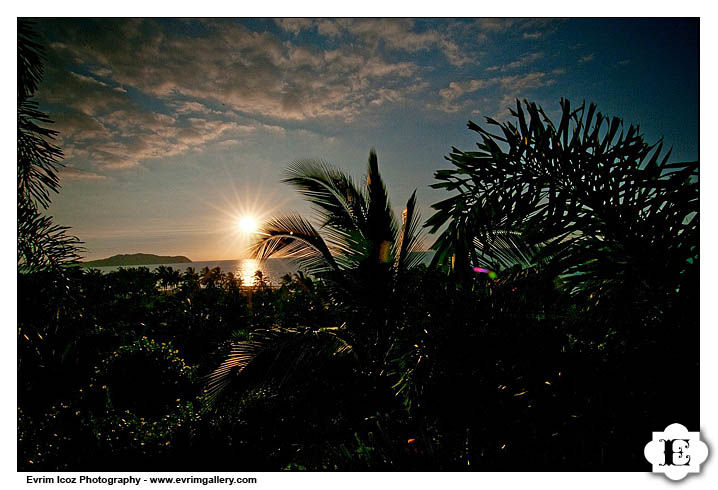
(273, 269)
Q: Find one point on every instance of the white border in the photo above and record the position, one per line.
(347, 481)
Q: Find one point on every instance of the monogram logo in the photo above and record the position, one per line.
(676, 452)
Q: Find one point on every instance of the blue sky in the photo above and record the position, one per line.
(173, 129)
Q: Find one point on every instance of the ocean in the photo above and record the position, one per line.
(273, 269)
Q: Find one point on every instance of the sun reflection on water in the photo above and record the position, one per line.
(246, 271)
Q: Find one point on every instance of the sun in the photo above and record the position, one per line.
(248, 225)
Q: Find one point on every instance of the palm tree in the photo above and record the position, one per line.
(361, 238)
(231, 282)
(616, 229)
(617, 221)
(167, 277)
(42, 244)
(211, 278)
(361, 250)
(190, 280)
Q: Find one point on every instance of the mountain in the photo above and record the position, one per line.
(137, 259)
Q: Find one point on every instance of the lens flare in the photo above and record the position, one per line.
(481, 270)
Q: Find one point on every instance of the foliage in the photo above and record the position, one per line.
(41, 243)
(360, 230)
(361, 252)
(594, 236)
(140, 399)
(55, 439)
(262, 360)
(381, 442)
(604, 206)
(146, 377)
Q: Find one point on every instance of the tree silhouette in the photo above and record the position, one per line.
(42, 244)
(360, 237)
(611, 227)
(603, 205)
(362, 251)
(167, 276)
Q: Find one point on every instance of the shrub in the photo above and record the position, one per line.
(142, 397)
(145, 377)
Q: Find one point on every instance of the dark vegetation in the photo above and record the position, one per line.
(555, 330)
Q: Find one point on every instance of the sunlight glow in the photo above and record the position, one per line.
(231, 208)
(248, 225)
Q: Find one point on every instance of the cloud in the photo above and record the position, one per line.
(517, 83)
(456, 90)
(70, 173)
(145, 136)
(396, 34)
(455, 55)
(79, 92)
(532, 35)
(295, 26)
(78, 127)
(125, 138)
(191, 107)
(526, 28)
(387, 95)
(493, 25)
(208, 88)
(390, 34)
(509, 89)
(230, 142)
(526, 60)
(250, 72)
(133, 90)
(488, 31)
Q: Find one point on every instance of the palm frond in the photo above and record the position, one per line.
(30, 57)
(276, 357)
(296, 238)
(381, 228)
(409, 237)
(37, 158)
(575, 188)
(43, 245)
(332, 192)
(358, 227)
(506, 249)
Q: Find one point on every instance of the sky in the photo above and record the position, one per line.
(173, 129)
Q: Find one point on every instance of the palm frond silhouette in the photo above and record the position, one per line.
(358, 247)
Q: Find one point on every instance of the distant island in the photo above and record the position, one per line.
(137, 259)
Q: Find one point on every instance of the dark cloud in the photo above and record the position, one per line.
(132, 90)
(251, 72)
(80, 92)
(127, 91)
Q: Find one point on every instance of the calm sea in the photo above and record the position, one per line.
(273, 269)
